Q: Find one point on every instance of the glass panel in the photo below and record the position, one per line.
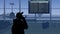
(1, 11)
(39, 0)
(25, 11)
(37, 23)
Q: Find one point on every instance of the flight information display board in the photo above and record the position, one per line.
(38, 7)
(38, 0)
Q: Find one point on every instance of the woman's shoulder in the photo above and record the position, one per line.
(14, 19)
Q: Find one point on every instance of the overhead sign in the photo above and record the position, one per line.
(38, 7)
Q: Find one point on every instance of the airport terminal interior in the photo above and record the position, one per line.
(42, 16)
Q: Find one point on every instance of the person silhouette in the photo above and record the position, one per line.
(19, 24)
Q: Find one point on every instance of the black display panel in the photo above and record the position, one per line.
(38, 7)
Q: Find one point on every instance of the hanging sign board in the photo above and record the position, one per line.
(38, 7)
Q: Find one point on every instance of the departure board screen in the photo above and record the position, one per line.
(38, 7)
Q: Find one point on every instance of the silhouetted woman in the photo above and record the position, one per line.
(19, 24)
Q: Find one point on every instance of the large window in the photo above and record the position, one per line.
(35, 26)
(24, 6)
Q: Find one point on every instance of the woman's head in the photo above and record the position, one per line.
(19, 15)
